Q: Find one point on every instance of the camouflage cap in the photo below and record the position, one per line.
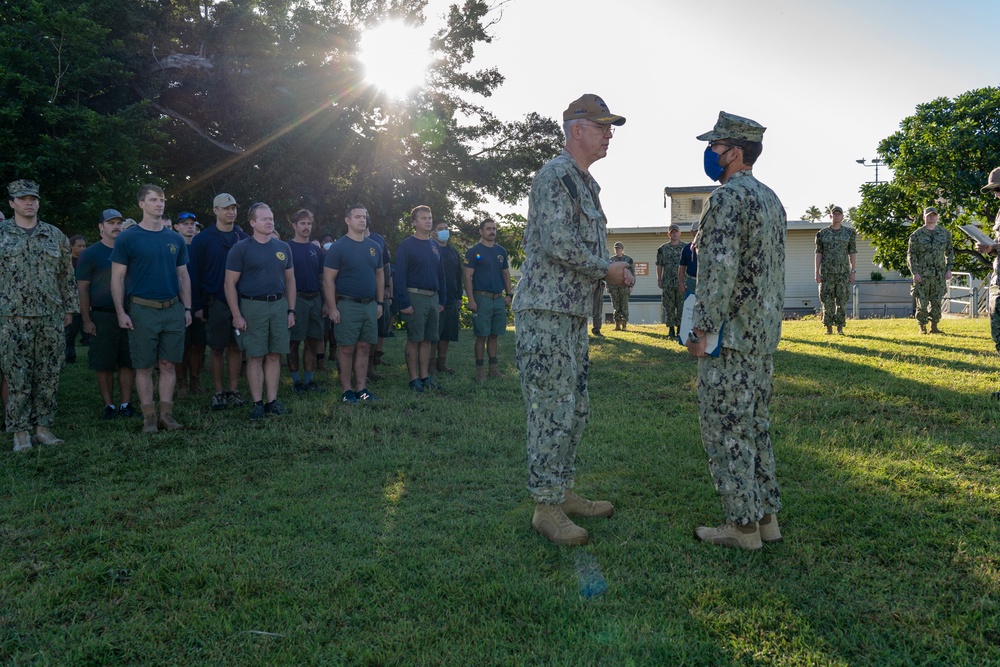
(993, 182)
(619, 244)
(672, 226)
(836, 209)
(592, 107)
(223, 200)
(929, 210)
(111, 214)
(730, 126)
(22, 188)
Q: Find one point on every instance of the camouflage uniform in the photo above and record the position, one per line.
(620, 295)
(930, 254)
(565, 258)
(835, 248)
(672, 300)
(995, 289)
(39, 289)
(740, 291)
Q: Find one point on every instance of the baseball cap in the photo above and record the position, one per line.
(111, 214)
(223, 200)
(836, 209)
(592, 107)
(22, 187)
(619, 244)
(929, 210)
(731, 126)
(672, 226)
(129, 222)
(185, 215)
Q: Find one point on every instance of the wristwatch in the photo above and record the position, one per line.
(693, 339)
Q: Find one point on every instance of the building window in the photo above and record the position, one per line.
(696, 206)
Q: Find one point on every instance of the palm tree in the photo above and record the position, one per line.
(812, 214)
(828, 211)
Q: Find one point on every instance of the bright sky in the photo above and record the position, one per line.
(828, 78)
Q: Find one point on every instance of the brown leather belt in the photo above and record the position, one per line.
(150, 303)
(492, 295)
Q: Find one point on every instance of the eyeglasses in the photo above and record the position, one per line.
(605, 129)
(713, 144)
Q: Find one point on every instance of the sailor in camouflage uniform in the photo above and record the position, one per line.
(740, 296)
(565, 257)
(993, 186)
(931, 258)
(621, 294)
(668, 258)
(836, 259)
(38, 300)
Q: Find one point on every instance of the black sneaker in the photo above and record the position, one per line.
(417, 386)
(430, 384)
(219, 402)
(109, 412)
(312, 386)
(349, 397)
(234, 399)
(365, 395)
(126, 410)
(257, 412)
(298, 388)
(275, 408)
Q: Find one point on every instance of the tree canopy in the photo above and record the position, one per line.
(264, 99)
(940, 157)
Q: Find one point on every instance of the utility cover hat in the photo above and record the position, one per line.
(223, 200)
(993, 182)
(836, 209)
(22, 188)
(929, 210)
(730, 126)
(592, 107)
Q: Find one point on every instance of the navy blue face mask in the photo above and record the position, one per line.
(712, 167)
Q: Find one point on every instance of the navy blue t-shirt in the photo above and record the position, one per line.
(355, 263)
(308, 260)
(452, 272)
(386, 259)
(418, 265)
(689, 258)
(209, 251)
(94, 265)
(489, 265)
(261, 266)
(152, 259)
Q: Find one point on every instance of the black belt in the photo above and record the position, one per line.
(264, 297)
(308, 295)
(103, 309)
(343, 297)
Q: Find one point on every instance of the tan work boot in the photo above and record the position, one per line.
(829, 329)
(167, 420)
(934, 328)
(923, 328)
(731, 535)
(551, 522)
(480, 373)
(22, 441)
(44, 436)
(840, 330)
(442, 365)
(195, 386)
(624, 326)
(574, 504)
(618, 326)
(494, 370)
(769, 531)
(148, 417)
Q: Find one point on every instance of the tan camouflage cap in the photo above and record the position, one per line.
(993, 182)
(22, 188)
(592, 107)
(730, 126)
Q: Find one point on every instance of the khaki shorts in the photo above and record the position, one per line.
(422, 324)
(157, 334)
(358, 323)
(490, 318)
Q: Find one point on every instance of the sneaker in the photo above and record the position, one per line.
(109, 412)
(126, 410)
(298, 388)
(312, 386)
(219, 402)
(257, 412)
(349, 397)
(365, 395)
(234, 399)
(429, 383)
(417, 386)
(275, 408)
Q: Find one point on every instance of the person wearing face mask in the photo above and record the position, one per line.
(448, 322)
(487, 284)
(993, 187)
(739, 297)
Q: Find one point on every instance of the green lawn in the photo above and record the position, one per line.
(399, 533)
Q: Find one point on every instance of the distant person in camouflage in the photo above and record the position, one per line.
(931, 258)
(565, 258)
(993, 187)
(620, 294)
(37, 302)
(668, 258)
(836, 259)
(739, 296)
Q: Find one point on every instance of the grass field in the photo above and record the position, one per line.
(399, 533)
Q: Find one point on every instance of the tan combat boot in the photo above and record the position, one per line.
(624, 326)
(44, 436)
(840, 330)
(934, 328)
(769, 531)
(730, 534)
(442, 365)
(167, 420)
(829, 329)
(148, 417)
(551, 522)
(480, 372)
(923, 328)
(494, 368)
(618, 326)
(22, 441)
(574, 504)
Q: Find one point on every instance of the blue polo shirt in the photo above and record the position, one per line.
(355, 263)
(152, 259)
(488, 265)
